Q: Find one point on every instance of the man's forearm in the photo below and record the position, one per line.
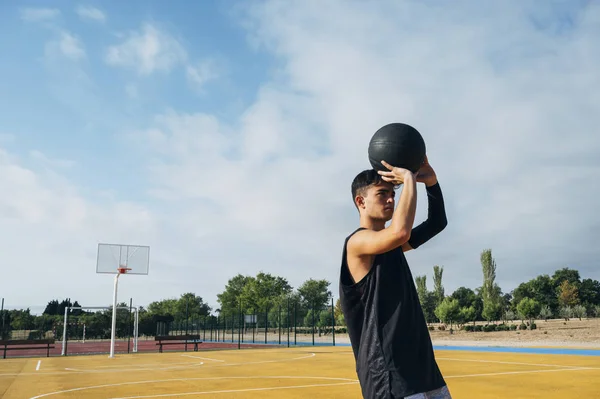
(436, 218)
(404, 214)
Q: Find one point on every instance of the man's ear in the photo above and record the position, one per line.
(359, 201)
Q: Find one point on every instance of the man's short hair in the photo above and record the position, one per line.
(363, 180)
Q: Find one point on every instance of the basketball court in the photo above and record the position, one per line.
(319, 372)
(248, 370)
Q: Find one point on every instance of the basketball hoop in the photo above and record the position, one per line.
(123, 269)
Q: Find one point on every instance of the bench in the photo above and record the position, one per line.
(177, 339)
(22, 344)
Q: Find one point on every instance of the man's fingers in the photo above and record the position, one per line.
(387, 165)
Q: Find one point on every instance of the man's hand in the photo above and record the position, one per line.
(396, 175)
(426, 174)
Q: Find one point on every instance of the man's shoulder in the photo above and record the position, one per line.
(353, 233)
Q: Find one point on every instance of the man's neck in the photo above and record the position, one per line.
(372, 224)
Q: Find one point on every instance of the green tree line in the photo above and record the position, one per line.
(272, 300)
(563, 294)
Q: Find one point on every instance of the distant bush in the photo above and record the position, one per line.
(579, 311)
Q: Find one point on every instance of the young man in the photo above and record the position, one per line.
(388, 332)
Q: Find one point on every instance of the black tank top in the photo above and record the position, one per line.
(387, 329)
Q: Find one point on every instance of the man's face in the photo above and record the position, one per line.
(379, 201)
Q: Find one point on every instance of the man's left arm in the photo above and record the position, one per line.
(436, 219)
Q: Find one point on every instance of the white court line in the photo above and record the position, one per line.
(518, 372)
(502, 362)
(239, 390)
(203, 358)
(346, 381)
(114, 370)
(271, 361)
(38, 365)
(142, 365)
(81, 371)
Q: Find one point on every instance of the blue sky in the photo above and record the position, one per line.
(81, 101)
(225, 135)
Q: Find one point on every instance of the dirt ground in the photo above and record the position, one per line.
(557, 332)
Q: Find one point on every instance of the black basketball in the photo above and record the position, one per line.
(399, 145)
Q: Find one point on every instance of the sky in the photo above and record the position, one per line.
(225, 136)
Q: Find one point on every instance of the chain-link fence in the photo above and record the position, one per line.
(88, 330)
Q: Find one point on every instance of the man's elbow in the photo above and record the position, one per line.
(402, 236)
(442, 224)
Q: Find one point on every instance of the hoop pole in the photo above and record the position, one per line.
(114, 318)
(135, 329)
(64, 344)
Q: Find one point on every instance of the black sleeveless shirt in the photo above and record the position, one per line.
(387, 329)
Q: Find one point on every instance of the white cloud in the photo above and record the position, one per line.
(66, 45)
(495, 98)
(147, 51)
(89, 12)
(31, 14)
(202, 72)
(494, 95)
(50, 233)
(50, 162)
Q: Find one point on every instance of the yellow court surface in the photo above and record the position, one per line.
(313, 372)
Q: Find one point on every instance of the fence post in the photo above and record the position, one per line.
(313, 323)
(187, 315)
(128, 325)
(266, 321)
(240, 325)
(332, 321)
(287, 324)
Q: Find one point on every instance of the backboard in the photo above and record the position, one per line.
(111, 257)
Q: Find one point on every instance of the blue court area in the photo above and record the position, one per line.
(510, 349)
(497, 349)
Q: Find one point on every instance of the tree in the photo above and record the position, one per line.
(490, 291)
(51, 308)
(541, 289)
(438, 288)
(448, 311)
(589, 293)
(570, 275)
(528, 308)
(579, 311)
(545, 312)
(262, 292)
(468, 314)
(190, 305)
(22, 319)
(428, 299)
(465, 296)
(567, 294)
(338, 314)
(421, 283)
(429, 307)
(230, 297)
(314, 294)
(163, 307)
